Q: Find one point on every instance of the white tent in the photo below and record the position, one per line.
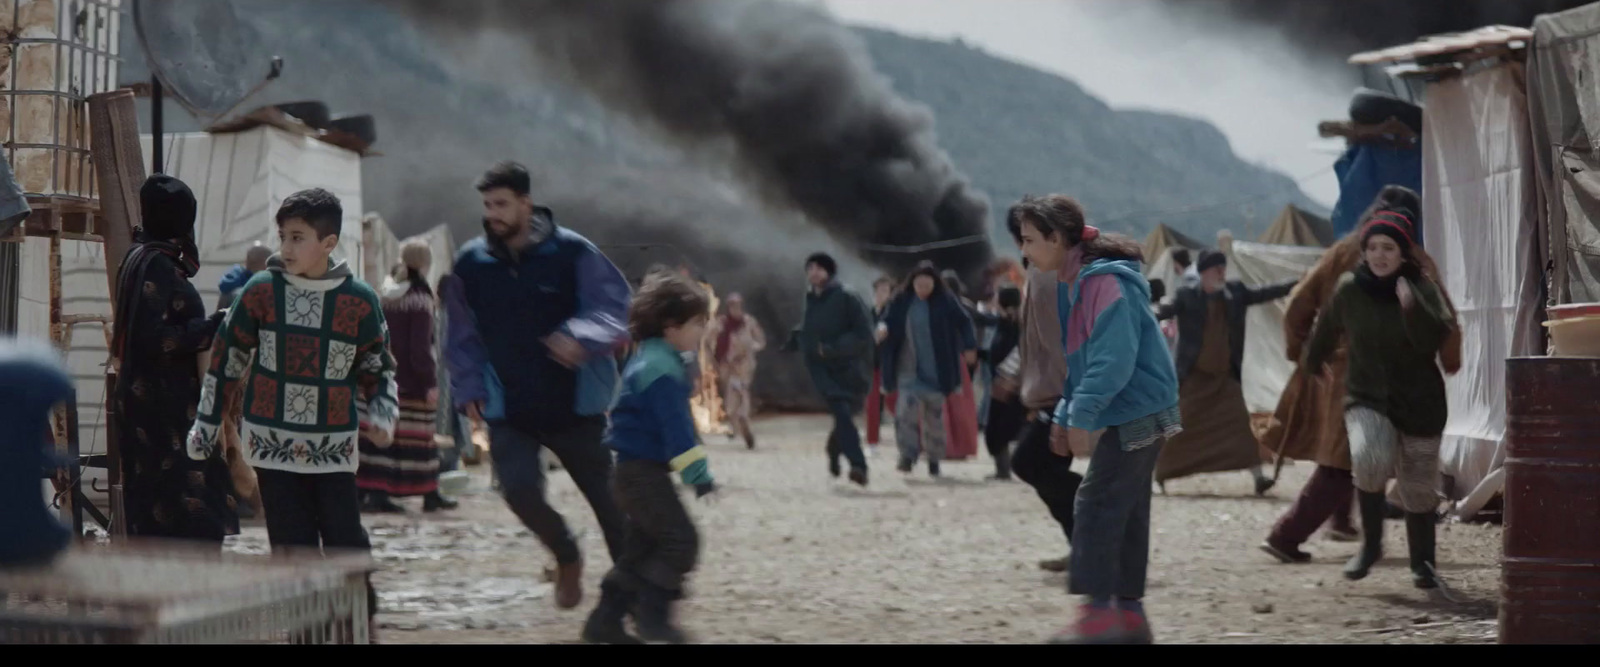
(1481, 220)
(1266, 367)
(239, 179)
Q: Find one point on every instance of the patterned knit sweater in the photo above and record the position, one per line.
(313, 345)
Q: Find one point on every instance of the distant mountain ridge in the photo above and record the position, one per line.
(1017, 130)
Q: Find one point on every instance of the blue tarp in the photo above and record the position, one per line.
(1364, 170)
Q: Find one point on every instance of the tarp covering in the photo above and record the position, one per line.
(1266, 369)
(1364, 170)
(1479, 207)
(1564, 100)
(1298, 227)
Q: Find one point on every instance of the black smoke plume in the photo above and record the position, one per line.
(812, 126)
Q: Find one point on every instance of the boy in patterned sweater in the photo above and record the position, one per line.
(654, 436)
(311, 336)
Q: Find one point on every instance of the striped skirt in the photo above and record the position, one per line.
(410, 466)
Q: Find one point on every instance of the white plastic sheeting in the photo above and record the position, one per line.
(1266, 368)
(1481, 221)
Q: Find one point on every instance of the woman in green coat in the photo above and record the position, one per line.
(1394, 320)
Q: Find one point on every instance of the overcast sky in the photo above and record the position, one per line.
(1265, 95)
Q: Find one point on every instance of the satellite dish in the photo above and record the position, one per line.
(203, 54)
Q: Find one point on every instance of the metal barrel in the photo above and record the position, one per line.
(1550, 568)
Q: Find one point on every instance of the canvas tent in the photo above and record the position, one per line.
(1481, 217)
(1298, 227)
(1564, 101)
(1164, 238)
(1158, 256)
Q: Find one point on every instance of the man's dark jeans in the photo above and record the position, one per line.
(518, 465)
(845, 440)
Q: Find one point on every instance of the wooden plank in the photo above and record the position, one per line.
(119, 166)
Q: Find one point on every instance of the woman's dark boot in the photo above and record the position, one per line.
(653, 616)
(1420, 536)
(379, 502)
(605, 622)
(1002, 466)
(1373, 507)
(436, 501)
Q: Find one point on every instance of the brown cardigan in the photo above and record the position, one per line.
(1309, 422)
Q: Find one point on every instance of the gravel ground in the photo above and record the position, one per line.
(789, 556)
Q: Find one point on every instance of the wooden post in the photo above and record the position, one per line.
(119, 167)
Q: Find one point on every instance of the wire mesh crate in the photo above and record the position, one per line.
(167, 594)
(54, 54)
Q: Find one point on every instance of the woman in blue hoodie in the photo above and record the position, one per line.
(1120, 382)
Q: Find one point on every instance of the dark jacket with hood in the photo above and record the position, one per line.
(949, 326)
(835, 338)
(1192, 308)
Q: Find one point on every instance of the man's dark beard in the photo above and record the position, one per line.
(499, 231)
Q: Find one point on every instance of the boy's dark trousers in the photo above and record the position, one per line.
(312, 512)
(1050, 476)
(1006, 419)
(661, 545)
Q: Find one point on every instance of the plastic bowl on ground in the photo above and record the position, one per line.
(454, 483)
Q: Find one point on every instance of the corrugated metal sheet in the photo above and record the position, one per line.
(1458, 43)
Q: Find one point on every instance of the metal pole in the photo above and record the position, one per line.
(156, 104)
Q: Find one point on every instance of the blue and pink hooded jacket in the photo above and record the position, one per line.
(1119, 366)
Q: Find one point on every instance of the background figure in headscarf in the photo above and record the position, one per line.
(737, 338)
(410, 466)
(160, 330)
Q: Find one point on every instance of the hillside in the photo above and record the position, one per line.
(1012, 129)
(1016, 130)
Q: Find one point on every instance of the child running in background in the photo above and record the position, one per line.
(653, 435)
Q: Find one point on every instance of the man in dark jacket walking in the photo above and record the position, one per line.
(1211, 329)
(835, 338)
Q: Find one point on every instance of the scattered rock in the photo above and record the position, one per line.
(1262, 607)
(1421, 618)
